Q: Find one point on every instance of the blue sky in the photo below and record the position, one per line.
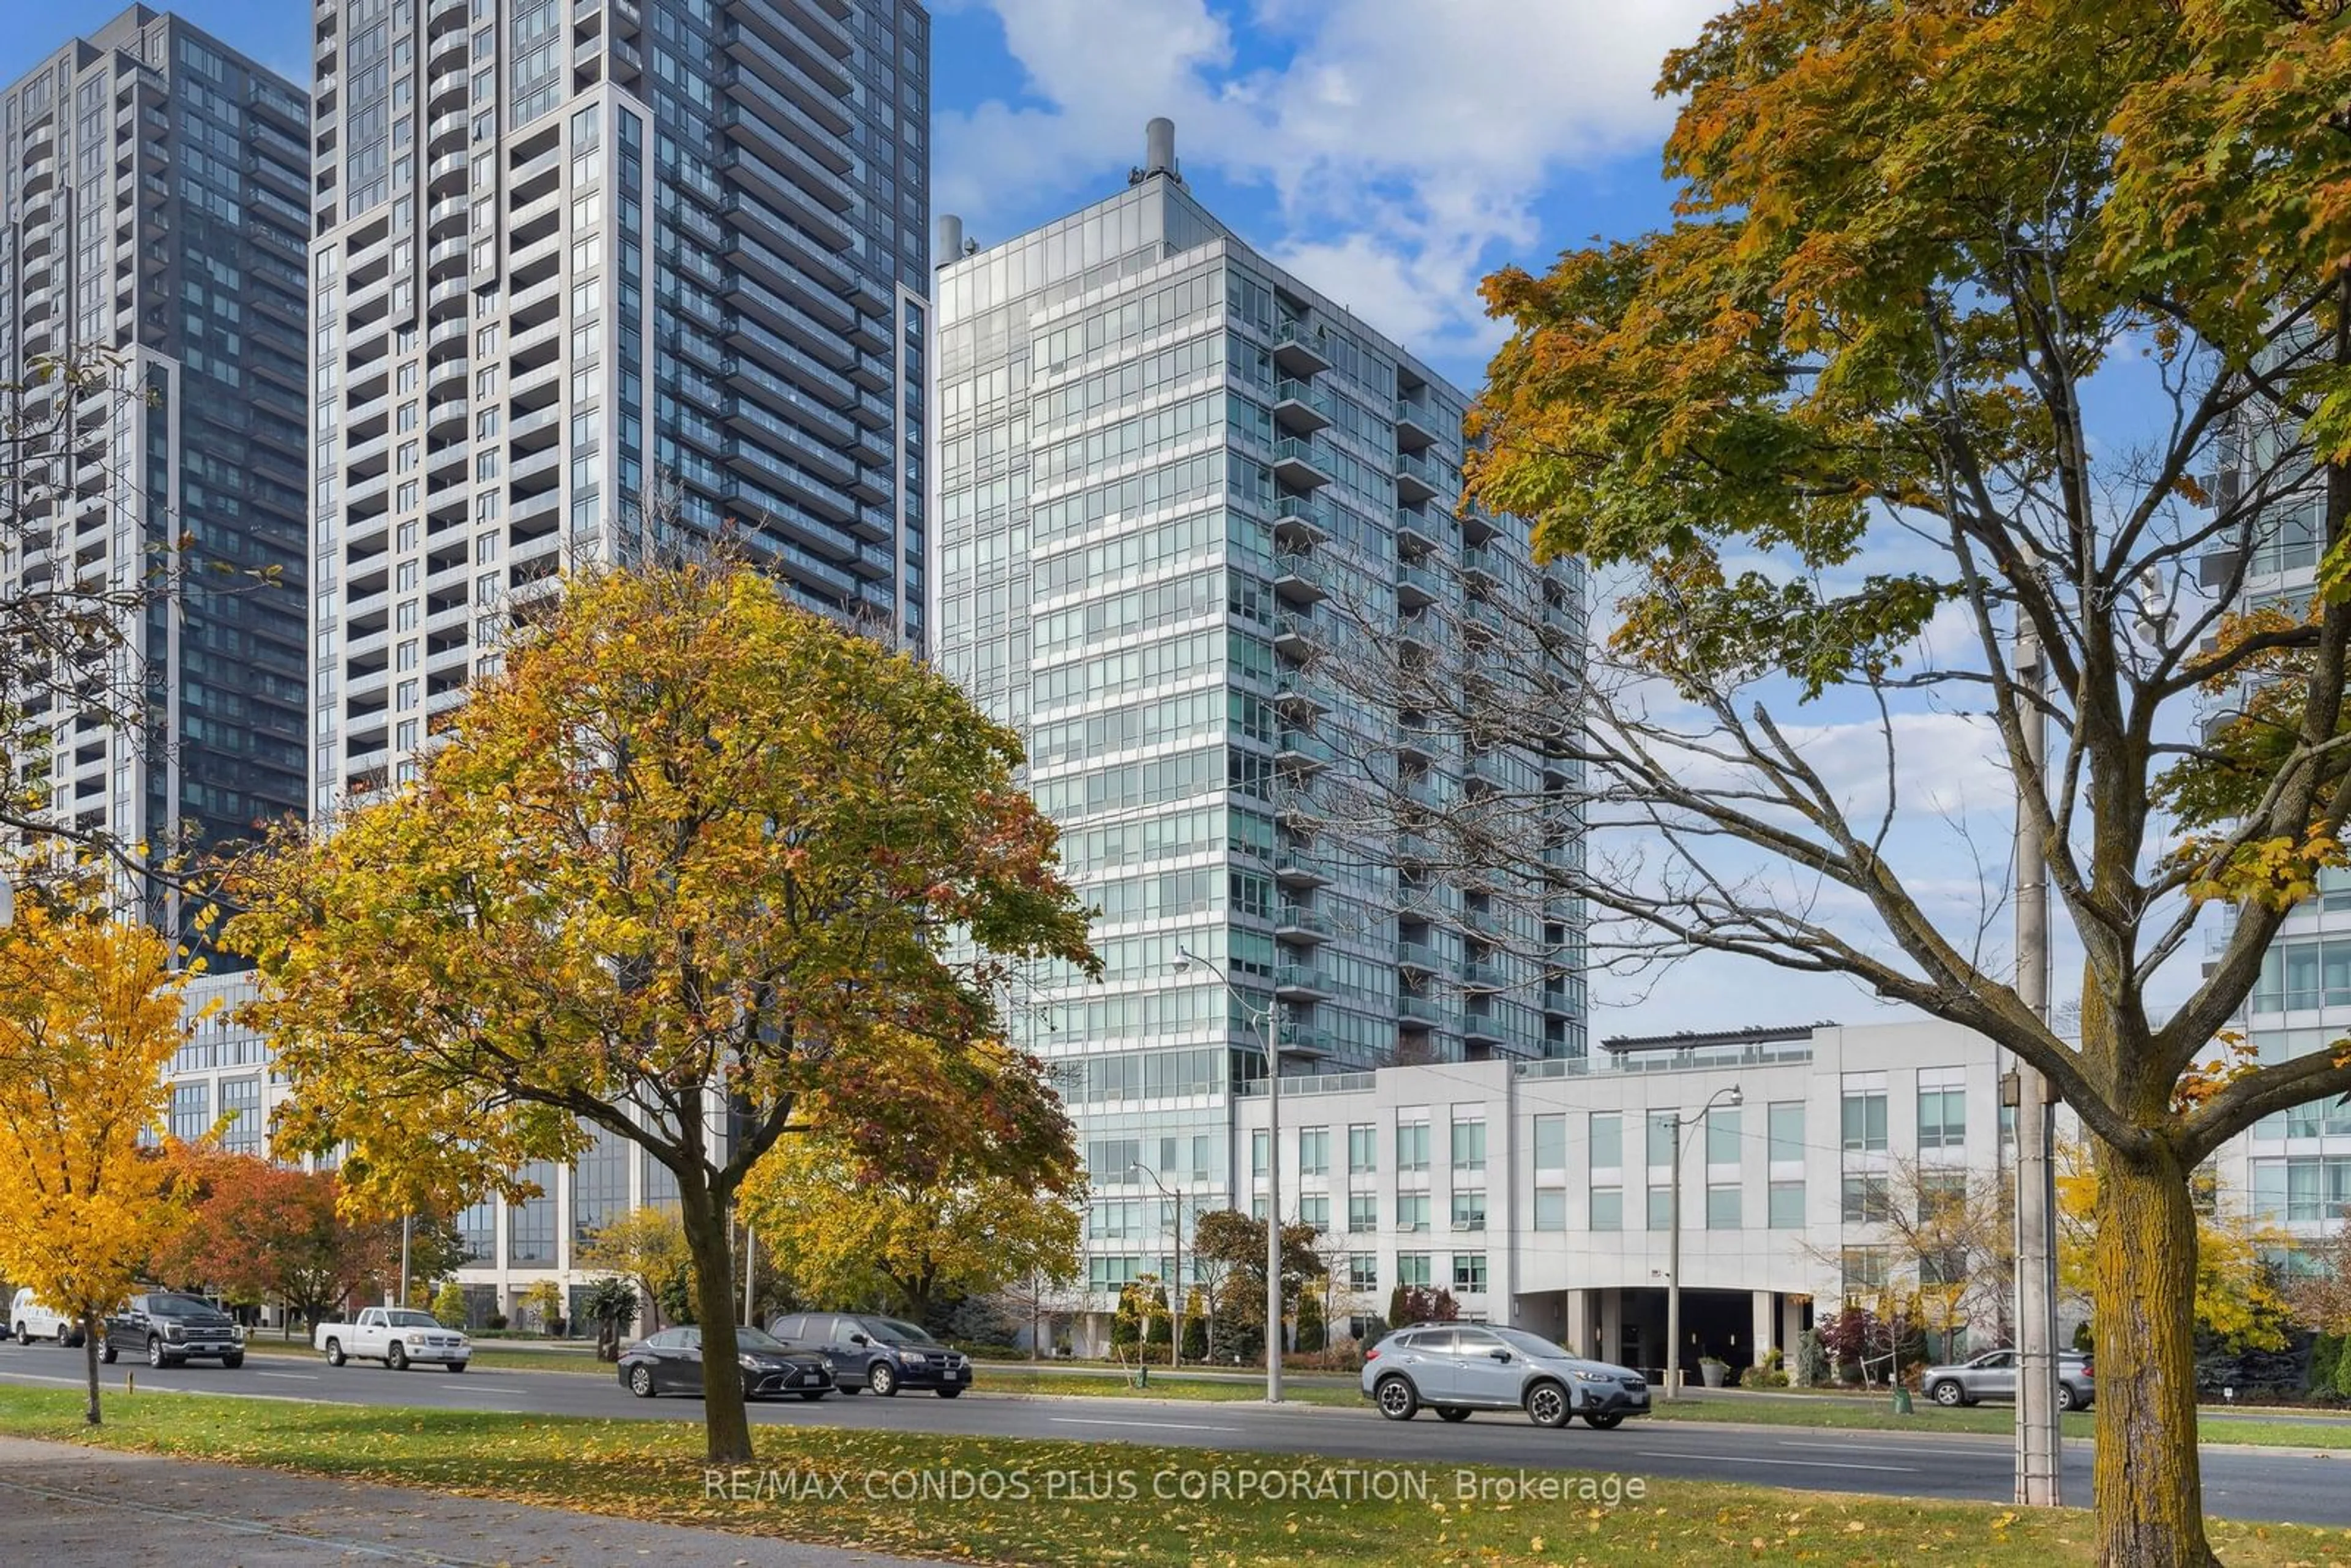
(1390, 151)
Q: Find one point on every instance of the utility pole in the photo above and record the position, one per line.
(1264, 1022)
(2039, 1440)
(405, 1223)
(1674, 1243)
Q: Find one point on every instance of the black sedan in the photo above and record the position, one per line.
(671, 1363)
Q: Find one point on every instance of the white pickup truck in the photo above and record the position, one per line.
(396, 1336)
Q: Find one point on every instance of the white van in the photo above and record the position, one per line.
(29, 1321)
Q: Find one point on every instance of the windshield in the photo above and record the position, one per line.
(889, 1331)
(181, 1307)
(757, 1339)
(1526, 1343)
(412, 1320)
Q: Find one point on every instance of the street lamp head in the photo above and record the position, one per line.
(1735, 1098)
(1183, 960)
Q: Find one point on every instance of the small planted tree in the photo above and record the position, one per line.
(257, 1231)
(952, 1205)
(91, 1015)
(449, 1305)
(696, 862)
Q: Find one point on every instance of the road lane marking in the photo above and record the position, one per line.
(293, 1376)
(1736, 1459)
(1147, 1426)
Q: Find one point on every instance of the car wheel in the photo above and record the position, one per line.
(1395, 1398)
(1603, 1421)
(154, 1352)
(2064, 1396)
(232, 1361)
(640, 1381)
(457, 1366)
(106, 1352)
(946, 1392)
(1451, 1413)
(334, 1353)
(23, 1334)
(812, 1395)
(882, 1378)
(1547, 1404)
(396, 1357)
(65, 1337)
(1948, 1395)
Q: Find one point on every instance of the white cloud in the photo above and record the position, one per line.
(1405, 140)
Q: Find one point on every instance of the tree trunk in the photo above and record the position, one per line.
(726, 1424)
(2148, 1488)
(90, 1365)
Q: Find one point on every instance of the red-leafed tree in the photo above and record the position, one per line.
(260, 1231)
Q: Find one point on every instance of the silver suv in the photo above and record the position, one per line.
(1455, 1368)
(1992, 1376)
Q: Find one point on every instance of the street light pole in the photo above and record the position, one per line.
(1175, 1269)
(1264, 1024)
(1673, 1242)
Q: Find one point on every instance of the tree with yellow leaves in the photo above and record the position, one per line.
(2239, 1299)
(697, 860)
(982, 1204)
(91, 1015)
(645, 1247)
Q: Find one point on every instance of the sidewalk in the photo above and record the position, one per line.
(64, 1505)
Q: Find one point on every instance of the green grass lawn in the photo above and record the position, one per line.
(1051, 1503)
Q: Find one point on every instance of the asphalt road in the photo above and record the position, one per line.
(2265, 1484)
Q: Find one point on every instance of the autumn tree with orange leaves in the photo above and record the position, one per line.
(695, 863)
(257, 1231)
(91, 1015)
(1972, 319)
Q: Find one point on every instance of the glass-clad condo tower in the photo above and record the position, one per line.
(1163, 463)
(155, 188)
(597, 280)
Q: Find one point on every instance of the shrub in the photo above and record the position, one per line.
(1312, 1335)
(2325, 1360)
(1195, 1326)
(449, 1306)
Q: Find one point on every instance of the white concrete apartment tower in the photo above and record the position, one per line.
(595, 280)
(1163, 463)
(593, 277)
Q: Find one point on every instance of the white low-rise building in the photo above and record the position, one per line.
(1539, 1193)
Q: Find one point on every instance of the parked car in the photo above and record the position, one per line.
(172, 1328)
(399, 1337)
(1456, 1368)
(670, 1362)
(1992, 1376)
(28, 1320)
(885, 1355)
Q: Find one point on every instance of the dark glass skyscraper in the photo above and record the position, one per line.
(156, 188)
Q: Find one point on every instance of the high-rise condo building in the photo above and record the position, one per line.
(596, 280)
(1173, 481)
(155, 190)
